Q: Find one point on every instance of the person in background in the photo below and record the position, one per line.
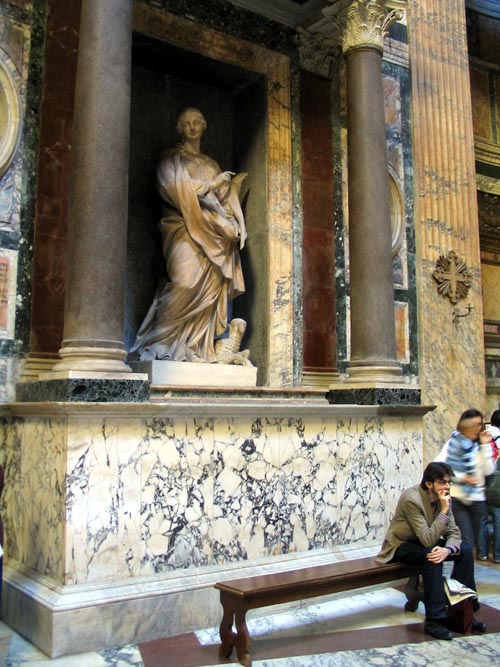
(469, 454)
(492, 492)
(423, 532)
(2, 479)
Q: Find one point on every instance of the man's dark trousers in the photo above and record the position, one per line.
(435, 599)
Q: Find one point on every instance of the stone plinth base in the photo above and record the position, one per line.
(373, 395)
(133, 511)
(66, 620)
(35, 367)
(186, 374)
(70, 386)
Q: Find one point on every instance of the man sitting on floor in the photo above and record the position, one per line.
(423, 532)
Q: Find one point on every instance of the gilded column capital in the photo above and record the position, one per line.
(364, 23)
(346, 25)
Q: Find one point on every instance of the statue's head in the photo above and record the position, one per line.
(238, 325)
(190, 114)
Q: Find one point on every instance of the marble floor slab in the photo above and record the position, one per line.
(379, 612)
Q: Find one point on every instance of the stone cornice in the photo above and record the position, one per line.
(487, 151)
(206, 408)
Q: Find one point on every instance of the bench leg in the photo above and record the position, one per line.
(242, 638)
(226, 634)
(234, 615)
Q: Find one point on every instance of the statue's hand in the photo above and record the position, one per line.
(222, 179)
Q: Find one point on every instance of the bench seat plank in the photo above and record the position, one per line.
(310, 582)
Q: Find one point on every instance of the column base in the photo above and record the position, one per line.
(319, 378)
(374, 374)
(100, 359)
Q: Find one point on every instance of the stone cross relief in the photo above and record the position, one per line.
(453, 276)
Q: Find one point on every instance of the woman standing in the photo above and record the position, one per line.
(469, 454)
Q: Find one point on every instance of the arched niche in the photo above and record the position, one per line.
(244, 92)
(10, 118)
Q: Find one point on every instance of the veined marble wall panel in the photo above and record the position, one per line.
(451, 356)
(8, 279)
(99, 499)
(103, 496)
(177, 471)
(34, 458)
(402, 332)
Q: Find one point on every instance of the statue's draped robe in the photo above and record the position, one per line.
(200, 234)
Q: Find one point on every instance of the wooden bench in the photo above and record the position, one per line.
(237, 596)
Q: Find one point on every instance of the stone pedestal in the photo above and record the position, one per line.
(373, 394)
(186, 374)
(134, 511)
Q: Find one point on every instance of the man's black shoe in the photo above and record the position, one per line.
(437, 630)
(478, 627)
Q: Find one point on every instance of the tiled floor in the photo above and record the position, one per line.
(365, 630)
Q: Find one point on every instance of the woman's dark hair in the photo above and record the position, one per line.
(495, 419)
(435, 470)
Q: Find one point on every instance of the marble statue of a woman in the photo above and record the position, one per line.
(203, 230)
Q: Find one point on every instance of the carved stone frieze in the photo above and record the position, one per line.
(488, 208)
(453, 276)
(489, 214)
(486, 151)
(317, 50)
(488, 184)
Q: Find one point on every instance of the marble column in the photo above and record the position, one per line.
(373, 338)
(446, 215)
(97, 234)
